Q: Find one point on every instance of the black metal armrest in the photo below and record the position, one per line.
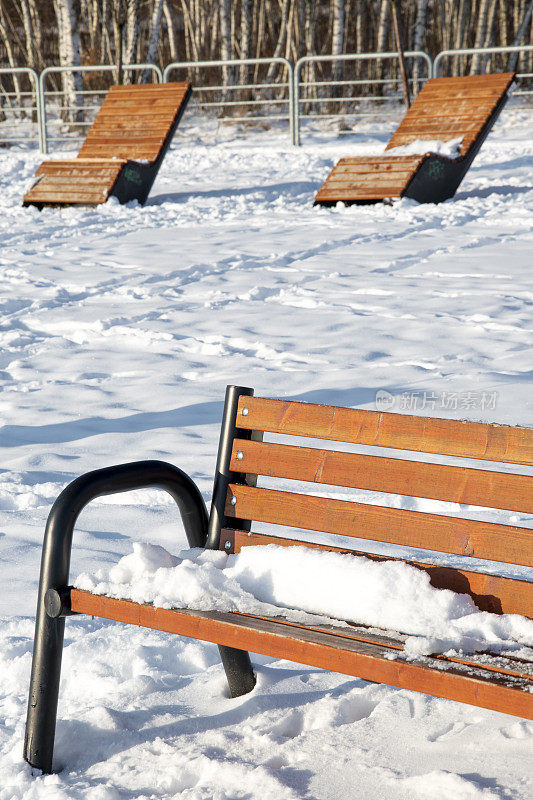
(55, 565)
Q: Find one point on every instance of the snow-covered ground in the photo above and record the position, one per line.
(120, 328)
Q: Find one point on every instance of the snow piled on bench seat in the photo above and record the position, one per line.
(270, 580)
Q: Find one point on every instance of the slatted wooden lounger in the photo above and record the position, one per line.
(445, 109)
(492, 682)
(122, 152)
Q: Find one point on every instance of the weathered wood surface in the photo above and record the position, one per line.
(465, 485)
(506, 690)
(70, 182)
(364, 178)
(478, 440)
(466, 537)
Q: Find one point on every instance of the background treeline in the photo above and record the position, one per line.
(40, 33)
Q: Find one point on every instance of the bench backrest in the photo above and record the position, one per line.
(379, 518)
(447, 108)
(134, 121)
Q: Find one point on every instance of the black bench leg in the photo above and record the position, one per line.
(238, 669)
(52, 604)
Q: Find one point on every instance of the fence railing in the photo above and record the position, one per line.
(241, 97)
(359, 90)
(486, 54)
(83, 105)
(347, 103)
(18, 102)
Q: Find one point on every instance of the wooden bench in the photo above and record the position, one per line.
(122, 152)
(492, 682)
(445, 109)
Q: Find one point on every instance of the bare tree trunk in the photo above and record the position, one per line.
(246, 38)
(337, 39)
(37, 32)
(310, 10)
(7, 39)
(503, 23)
(190, 39)
(461, 34)
(172, 43)
(224, 11)
(490, 33)
(132, 37)
(418, 42)
(284, 24)
(398, 33)
(527, 17)
(69, 56)
(153, 38)
(383, 30)
(481, 34)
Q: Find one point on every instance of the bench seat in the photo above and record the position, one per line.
(500, 684)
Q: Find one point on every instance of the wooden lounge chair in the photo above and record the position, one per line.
(445, 109)
(122, 152)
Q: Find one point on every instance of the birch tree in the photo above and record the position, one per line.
(481, 33)
(224, 11)
(132, 36)
(337, 36)
(246, 37)
(69, 56)
(153, 38)
(418, 41)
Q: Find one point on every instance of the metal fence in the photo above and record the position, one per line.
(20, 111)
(491, 59)
(366, 96)
(246, 90)
(362, 92)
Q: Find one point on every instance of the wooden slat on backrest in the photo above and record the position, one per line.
(474, 487)
(134, 121)
(466, 537)
(449, 108)
(477, 487)
(477, 440)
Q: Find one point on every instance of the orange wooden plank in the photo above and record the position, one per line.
(55, 196)
(82, 183)
(379, 159)
(353, 195)
(466, 537)
(74, 170)
(130, 152)
(387, 165)
(477, 440)
(489, 592)
(134, 139)
(315, 648)
(147, 88)
(503, 78)
(365, 183)
(465, 485)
